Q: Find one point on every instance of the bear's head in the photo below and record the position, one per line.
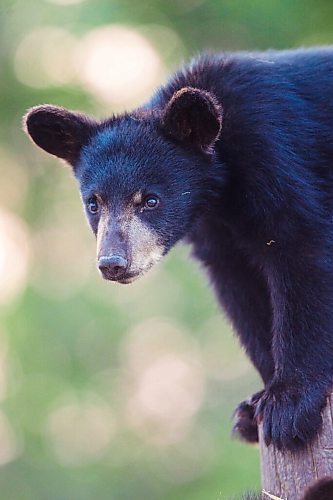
(144, 176)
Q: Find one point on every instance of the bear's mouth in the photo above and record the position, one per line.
(125, 279)
(129, 276)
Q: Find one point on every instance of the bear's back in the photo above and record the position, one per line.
(277, 128)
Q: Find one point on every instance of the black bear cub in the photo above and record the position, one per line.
(234, 155)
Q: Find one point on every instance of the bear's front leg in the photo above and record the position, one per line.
(291, 413)
(302, 299)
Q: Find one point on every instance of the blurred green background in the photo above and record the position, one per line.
(107, 391)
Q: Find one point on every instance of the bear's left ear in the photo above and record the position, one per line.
(58, 131)
(193, 116)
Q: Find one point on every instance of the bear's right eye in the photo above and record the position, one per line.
(93, 205)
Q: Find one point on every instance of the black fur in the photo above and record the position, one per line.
(320, 490)
(255, 201)
(245, 424)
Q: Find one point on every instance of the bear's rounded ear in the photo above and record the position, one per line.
(193, 116)
(58, 131)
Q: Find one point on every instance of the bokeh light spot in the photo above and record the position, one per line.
(14, 256)
(3, 366)
(169, 383)
(10, 448)
(118, 64)
(165, 381)
(14, 181)
(80, 430)
(44, 58)
(61, 262)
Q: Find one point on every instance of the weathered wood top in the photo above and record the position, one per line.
(287, 474)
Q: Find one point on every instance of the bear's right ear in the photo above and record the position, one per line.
(58, 131)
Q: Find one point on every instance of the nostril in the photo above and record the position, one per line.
(112, 266)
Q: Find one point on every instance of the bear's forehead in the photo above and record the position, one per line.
(115, 138)
(128, 145)
(126, 141)
(121, 159)
(123, 135)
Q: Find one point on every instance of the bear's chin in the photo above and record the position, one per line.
(126, 280)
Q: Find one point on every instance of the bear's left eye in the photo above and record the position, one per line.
(93, 205)
(151, 202)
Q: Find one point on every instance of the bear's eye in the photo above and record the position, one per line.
(93, 205)
(151, 202)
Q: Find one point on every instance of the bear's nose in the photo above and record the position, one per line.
(113, 266)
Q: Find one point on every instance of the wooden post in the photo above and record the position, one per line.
(287, 474)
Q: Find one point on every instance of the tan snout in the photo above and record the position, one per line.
(126, 248)
(112, 260)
